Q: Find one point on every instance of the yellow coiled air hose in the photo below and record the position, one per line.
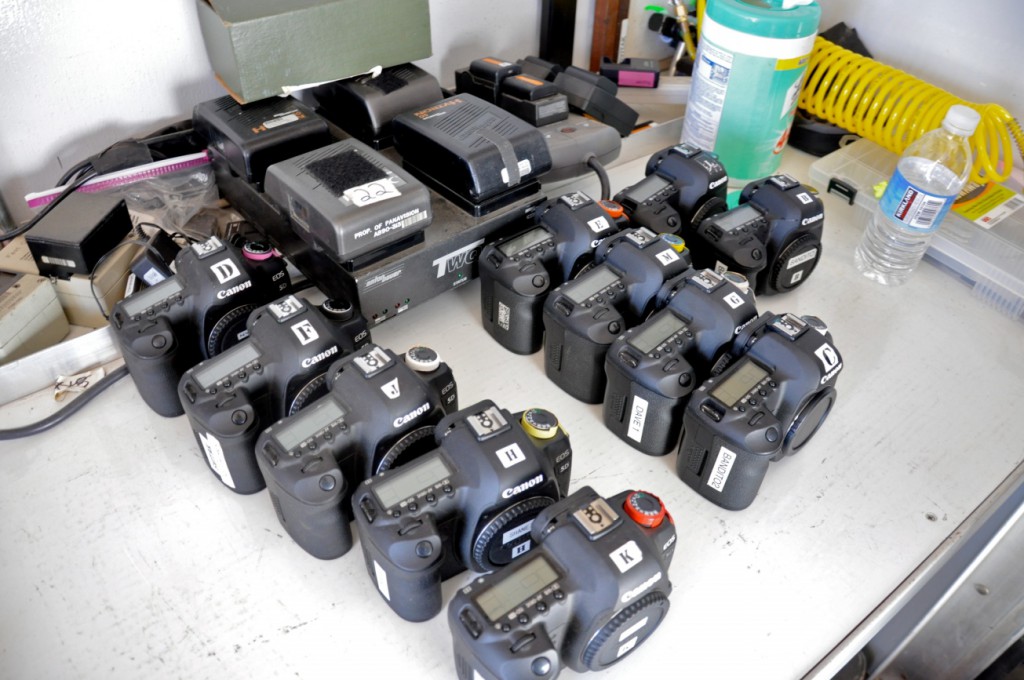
(892, 108)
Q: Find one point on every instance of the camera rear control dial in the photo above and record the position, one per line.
(644, 508)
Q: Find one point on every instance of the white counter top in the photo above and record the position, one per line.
(123, 556)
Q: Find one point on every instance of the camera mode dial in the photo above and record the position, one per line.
(338, 310)
(539, 423)
(257, 251)
(675, 242)
(645, 509)
(422, 359)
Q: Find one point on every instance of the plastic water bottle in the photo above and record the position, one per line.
(922, 189)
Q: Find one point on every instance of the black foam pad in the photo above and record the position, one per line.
(344, 171)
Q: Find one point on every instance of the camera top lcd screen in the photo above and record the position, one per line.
(592, 282)
(231, 360)
(410, 479)
(746, 375)
(524, 241)
(661, 327)
(308, 422)
(510, 592)
(644, 189)
(737, 217)
(144, 299)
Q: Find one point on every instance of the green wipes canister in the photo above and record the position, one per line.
(749, 69)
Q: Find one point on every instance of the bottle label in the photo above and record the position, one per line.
(917, 209)
(735, 73)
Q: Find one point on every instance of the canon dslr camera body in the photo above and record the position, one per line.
(199, 312)
(682, 185)
(518, 272)
(380, 412)
(766, 405)
(583, 317)
(653, 368)
(773, 237)
(592, 591)
(276, 371)
(467, 504)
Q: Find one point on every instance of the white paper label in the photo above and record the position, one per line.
(626, 556)
(283, 119)
(382, 580)
(524, 169)
(637, 419)
(734, 300)
(632, 630)
(504, 316)
(371, 192)
(510, 455)
(667, 257)
(516, 533)
(215, 454)
(721, 469)
(623, 649)
(801, 258)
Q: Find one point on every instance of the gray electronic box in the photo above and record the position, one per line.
(348, 199)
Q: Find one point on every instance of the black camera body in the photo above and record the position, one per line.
(682, 185)
(276, 371)
(773, 237)
(766, 405)
(380, 412)
(653, 368)
(199, 312)
(467, 504)
(583, 317)
(517, 272)
(593, 590)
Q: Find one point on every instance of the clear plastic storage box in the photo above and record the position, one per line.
(985, 248)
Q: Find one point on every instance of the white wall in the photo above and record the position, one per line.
(80, 74)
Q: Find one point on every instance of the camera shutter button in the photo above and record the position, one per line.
(159, 342)
(424, 549)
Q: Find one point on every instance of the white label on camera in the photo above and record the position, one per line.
(504, 316)
(371, 192)
(801, 258)
(637, 419)
(623, 649)
(517, 532)
(632, 630)
(599, 224)
(804, 198)
(225, 271)
(626, 556)
(524, 169)
(304, 332)
(477, 676)
(734, 300)
(796, 278)
(215, 455)
(828, 357)
(667, 257)
(720, 268)
(520, 549)
(510, 455)
(721, 469)
(391, 389)
(382, 580)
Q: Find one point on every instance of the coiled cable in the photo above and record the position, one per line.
(893, 108)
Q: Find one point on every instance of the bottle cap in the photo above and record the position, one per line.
(961, 120)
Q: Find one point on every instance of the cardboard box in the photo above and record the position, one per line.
(258, 48)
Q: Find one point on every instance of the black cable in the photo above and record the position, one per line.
(137, 242)
(68, 411)
(68, 190)
(602, 176)
(74, 171)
